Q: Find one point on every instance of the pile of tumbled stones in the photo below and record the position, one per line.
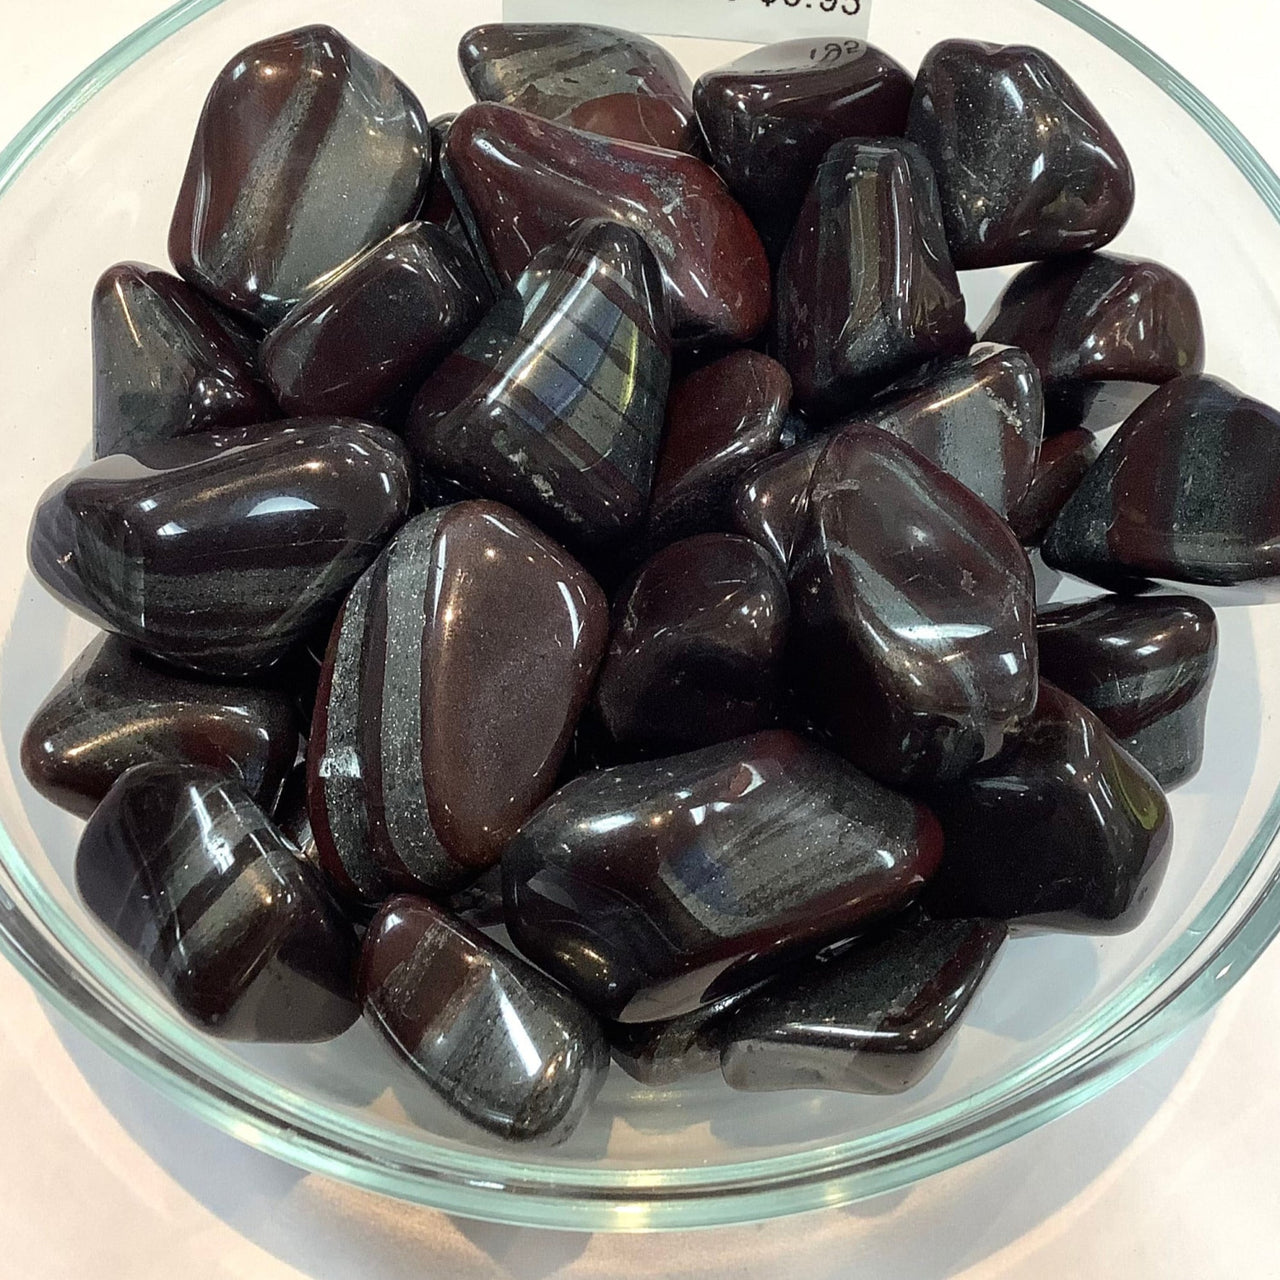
(593, 514)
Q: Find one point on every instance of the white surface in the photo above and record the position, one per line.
(1174, 1173)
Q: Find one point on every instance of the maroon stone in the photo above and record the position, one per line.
(771, 502)
(521, 183)
(1064, 458)
(914, 628)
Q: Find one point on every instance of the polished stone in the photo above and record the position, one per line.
(1026, 166)
(191, 876)
(699, 636)
(1143, 666)
(1064, 830)
(606, 81)
(116, 707)
(651, 889)
(365, 340)
(555, 403)
(770, 503)
(866, 289)
(496, 1041)
(307, 152)
(771, 115)
(520, 184)
(454, 678)
(220, 551)
(1099, 318)
(721, 420)
(979, 417)
(913, 628)
(874, 1020)
(1063, 460)
(437, 204)
(1186, 490)
(165, 363)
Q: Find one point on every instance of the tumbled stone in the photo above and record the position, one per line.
(116, 707)
(980, 417)
(874, 1020)
(366, 339)
(500, 1044)
(220, 551)
(721, 420)
(165, 363)
(188, 873)
(866, 289)
(437, 204)
(521, 183)
(307, 151)
(554, 404)
(770, 116)
(1100, 326)
(1026, 166)
(1064, 830)
(606, 81)
(454, 678)
(771, 501)
(651, 889)
(1185, 490)
(1143, 666)
(696, 652)
(913, 627)
(1063, 460)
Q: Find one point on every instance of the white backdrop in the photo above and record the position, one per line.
(1174, 1173)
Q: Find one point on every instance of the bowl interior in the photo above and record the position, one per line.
(101, 189)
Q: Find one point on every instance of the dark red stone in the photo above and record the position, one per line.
(651, 889)
(913, 643)
(770, 116)
(606, 81)
(307, 151)
(453, 681)
(520, 183)
(1188, 489)
(866, 289)
(696, 653)
(771, 501)
(1064, 458)
(1064, 830)
(721, 420)
(368, 336)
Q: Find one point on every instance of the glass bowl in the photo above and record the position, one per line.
(92, 180)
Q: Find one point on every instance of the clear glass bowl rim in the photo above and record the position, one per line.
(1188, 977)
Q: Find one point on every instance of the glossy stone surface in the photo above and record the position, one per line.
(1026, 166)
(364, 341)
(696, 653)
(1064, 830)
(771, 501)
(913, 631)
(1063, 460)
(453, 681)
(651, 889)
(979, 417)
(1100, 317)
(606, 81)
(221, 551)
(770, 116)
(306, 152)
(494, 1039)
(116, 707)
(866, 288)
(520, 183)
(721, 420)
(437, 204)
(164, 363)
(1188, 489)
(555, 402)
(1143, 666)
(190, 876)
(876, 1020)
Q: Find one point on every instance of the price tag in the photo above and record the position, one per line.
(754, 21)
